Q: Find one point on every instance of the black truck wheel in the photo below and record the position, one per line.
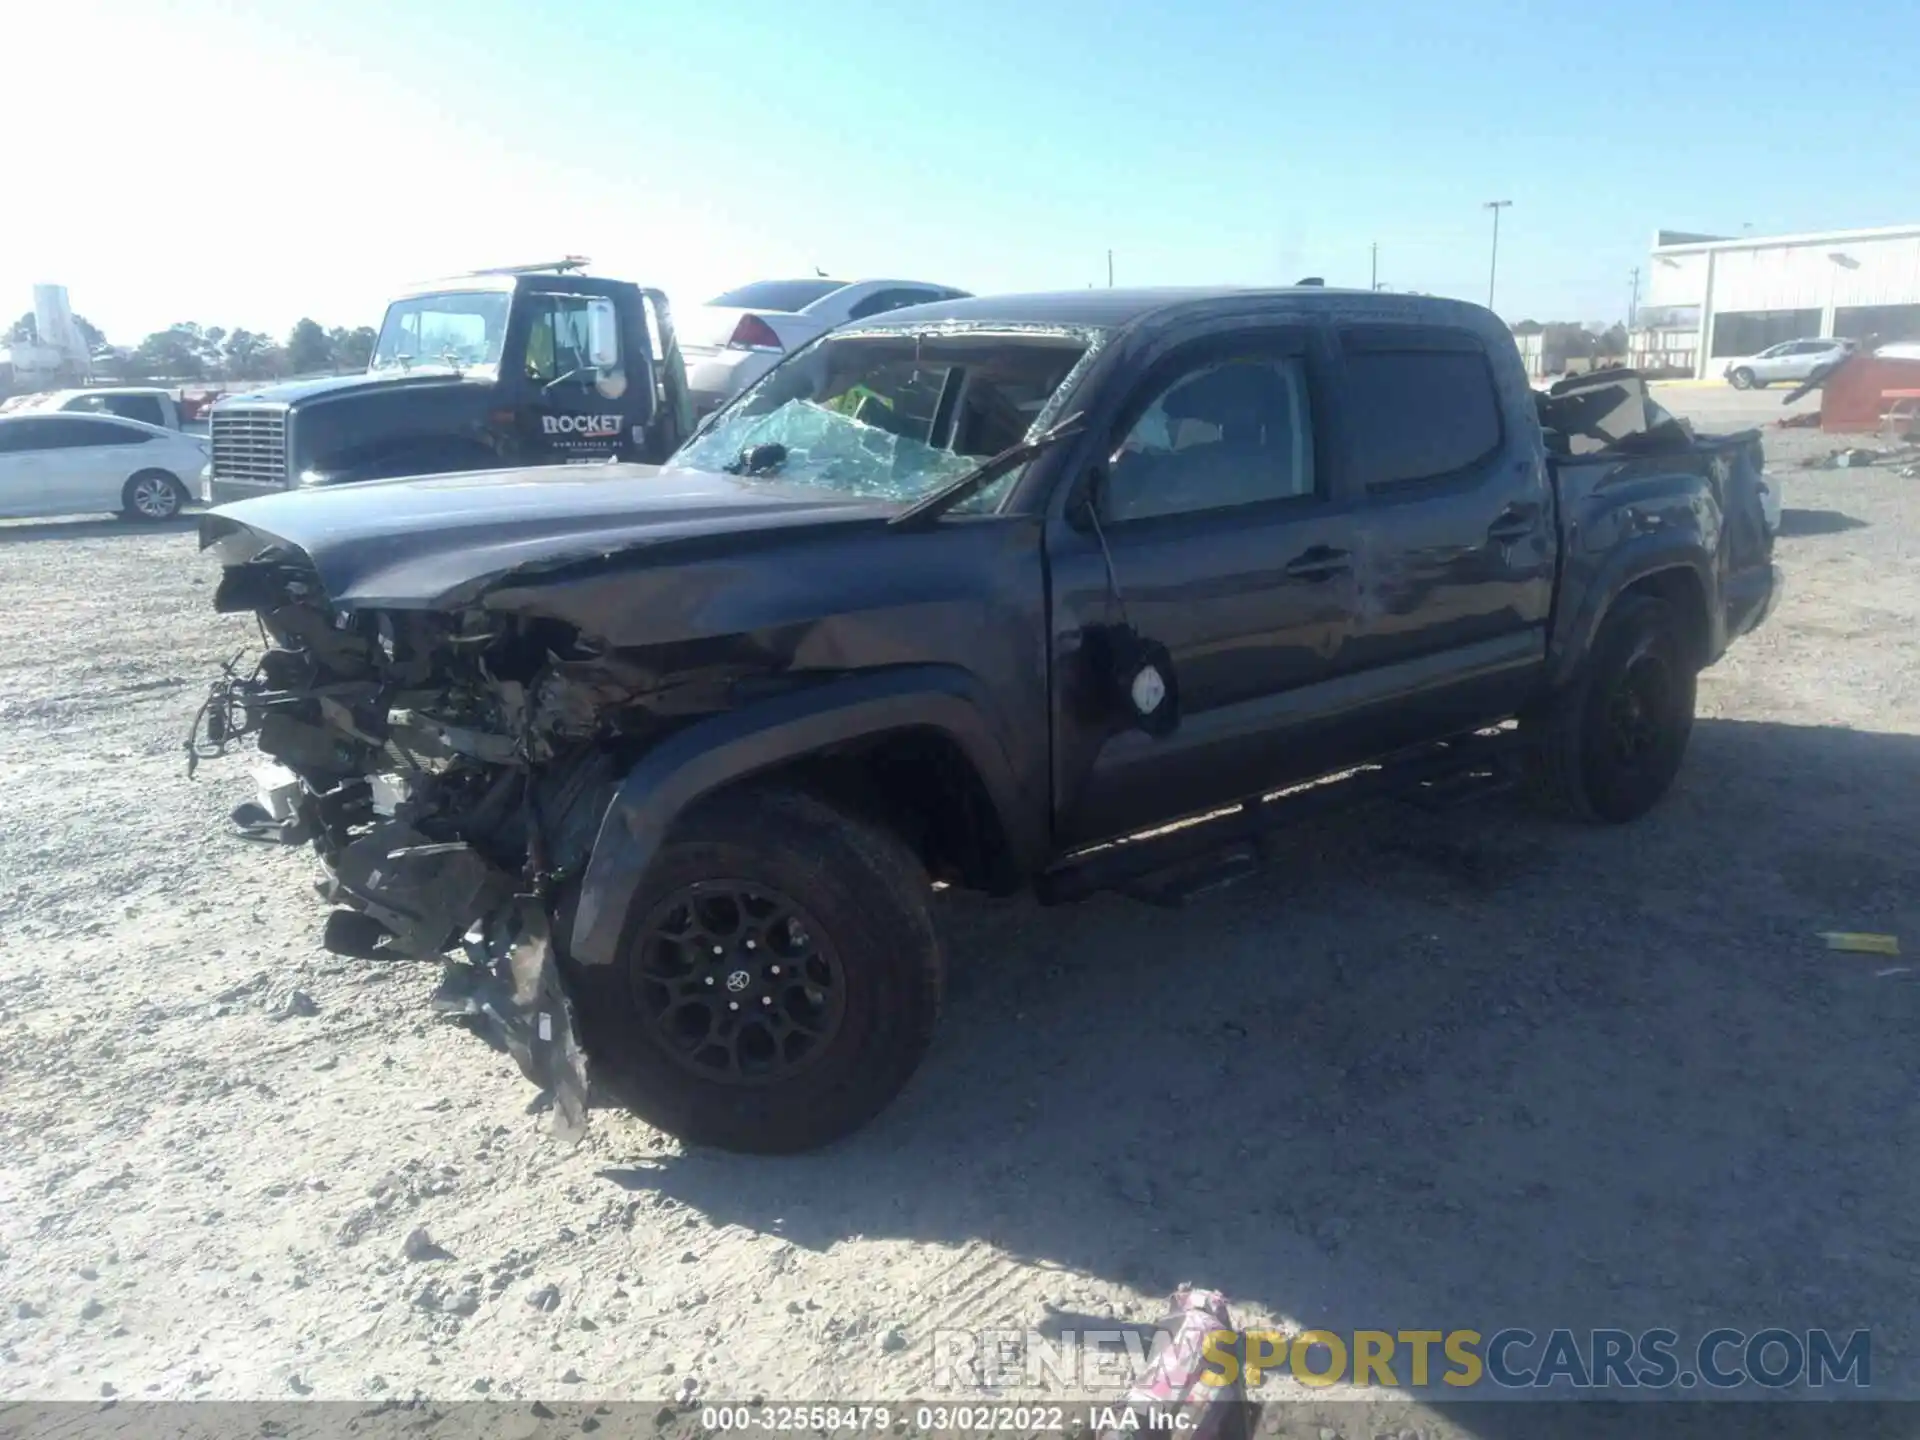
(1608, 746)
(779, 977)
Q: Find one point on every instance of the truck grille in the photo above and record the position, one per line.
(250, 443)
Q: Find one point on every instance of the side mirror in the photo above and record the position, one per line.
(603, 335)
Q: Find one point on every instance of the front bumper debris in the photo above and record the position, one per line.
(404, 894)
(510, 984)
(450, 772)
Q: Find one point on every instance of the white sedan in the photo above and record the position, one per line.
(65, 464)
(735, 338)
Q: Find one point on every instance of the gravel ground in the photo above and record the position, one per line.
(1473, 1069)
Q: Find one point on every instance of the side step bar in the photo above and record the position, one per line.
(1172, 866)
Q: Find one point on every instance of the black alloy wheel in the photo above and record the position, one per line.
(739, 983)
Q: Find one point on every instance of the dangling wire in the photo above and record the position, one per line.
(1115, 598)
(223, 714)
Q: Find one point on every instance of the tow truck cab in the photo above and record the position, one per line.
(527, 365)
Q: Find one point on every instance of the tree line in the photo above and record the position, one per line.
(211, 352)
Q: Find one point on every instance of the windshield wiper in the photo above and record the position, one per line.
(932, 506)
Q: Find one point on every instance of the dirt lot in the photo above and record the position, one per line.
(1474, 1069)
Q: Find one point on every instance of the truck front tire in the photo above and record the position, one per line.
(1607, 747)
(779, 977)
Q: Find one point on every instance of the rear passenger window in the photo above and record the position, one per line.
(77, 432)
(1420, 414)
(881, 301)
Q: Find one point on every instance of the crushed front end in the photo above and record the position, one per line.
(450, 768)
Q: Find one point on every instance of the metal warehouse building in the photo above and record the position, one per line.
(1709, 298)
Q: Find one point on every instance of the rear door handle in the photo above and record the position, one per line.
(1513, 523)
(1321, 562)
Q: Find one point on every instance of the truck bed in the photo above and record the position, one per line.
(1635, 487)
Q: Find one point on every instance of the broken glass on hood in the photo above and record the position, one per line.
(891, 414)
(806, 441)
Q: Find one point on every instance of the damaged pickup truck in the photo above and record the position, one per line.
(667, 761)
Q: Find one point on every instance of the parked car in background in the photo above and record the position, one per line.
(1790, 360)
(735, 338)
(148, 404)
(61, 463)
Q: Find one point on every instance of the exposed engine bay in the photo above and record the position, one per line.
(451, 770)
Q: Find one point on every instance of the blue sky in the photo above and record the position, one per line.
(245, 163)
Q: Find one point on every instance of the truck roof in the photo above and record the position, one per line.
(1118, 309)
(456, 282)
(503, 279)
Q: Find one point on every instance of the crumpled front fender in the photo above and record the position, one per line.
(737, 744)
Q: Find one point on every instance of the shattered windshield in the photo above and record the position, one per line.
(465, 328)
(892, 415)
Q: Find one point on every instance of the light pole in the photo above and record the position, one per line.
(1633, 311)
(1373, 280)
(1493, 266)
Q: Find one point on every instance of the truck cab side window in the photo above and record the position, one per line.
(655, 346)
(1218, 435)
(127, 407)
(575, 340)
(137, 407)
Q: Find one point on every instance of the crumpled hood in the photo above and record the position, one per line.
(439, 540)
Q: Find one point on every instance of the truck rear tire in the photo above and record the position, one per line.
(1608, 746)
(779, 977)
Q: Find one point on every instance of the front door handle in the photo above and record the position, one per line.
(1321, 562)
(1513, 524)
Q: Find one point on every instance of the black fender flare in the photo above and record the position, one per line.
(1626, 565)
(735, 744)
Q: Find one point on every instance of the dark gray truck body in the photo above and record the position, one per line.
(612, 645)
